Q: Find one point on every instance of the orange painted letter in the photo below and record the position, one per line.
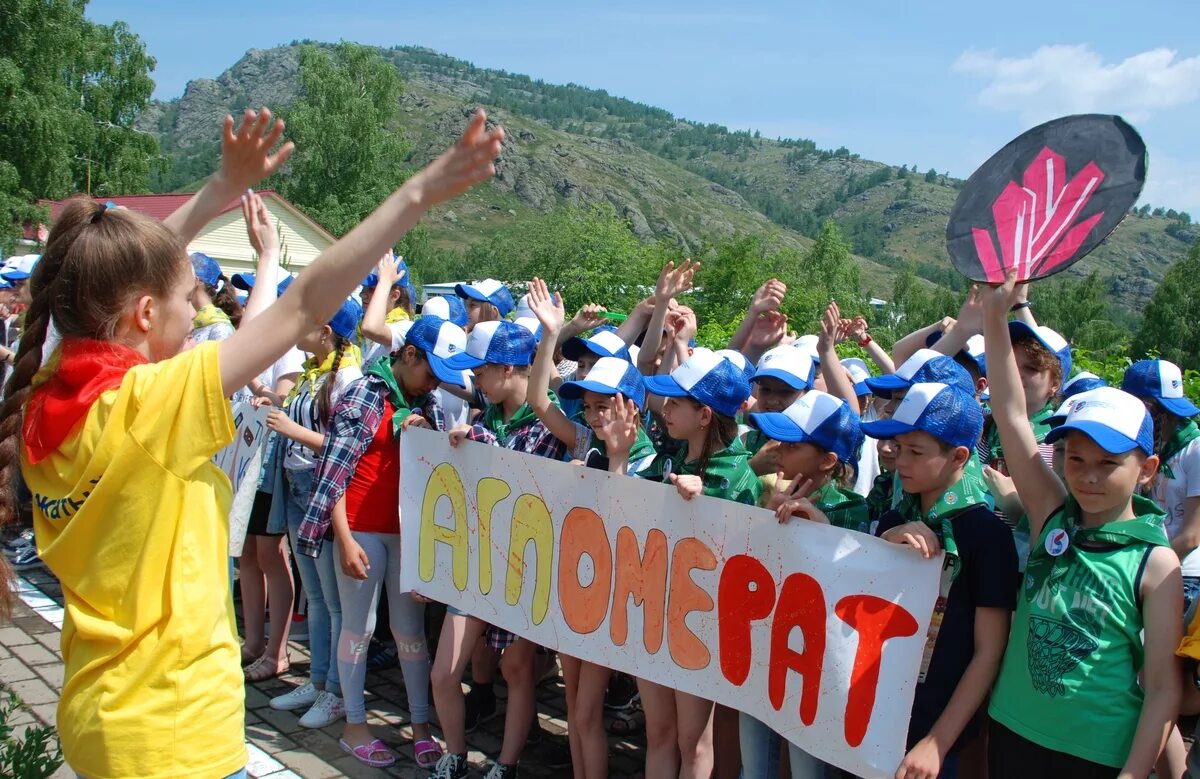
(584, 607)
(644, 576)
(687, 650)
(802, 605)
(746, 593)
(876, 620)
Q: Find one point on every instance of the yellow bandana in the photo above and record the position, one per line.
(312, 371)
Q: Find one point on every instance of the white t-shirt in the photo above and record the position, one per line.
(868, 461)
(1172, 495)
(303, 410)
(291, 362)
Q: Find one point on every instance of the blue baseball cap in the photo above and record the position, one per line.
(609, 376)
(1054, 343)
(945, 411)
(20, 268)
(1082, 382)
(497, 343)
(447, 307)
(739, 359)
(1161, 380)
(817, 418)
(1117, 421)
(603, 342)
(532, 324)
(808, 345)
(859, 373)
(345, 320)
(488, 291)
(440, 340)
(246, 280)
(924, 367)
(794, 367)
(707, 378)
(208, 271)
(974, 349)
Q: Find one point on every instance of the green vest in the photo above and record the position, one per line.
(1069, 677)
(846, 509)
(727, 476)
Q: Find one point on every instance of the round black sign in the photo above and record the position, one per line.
(1047, 198)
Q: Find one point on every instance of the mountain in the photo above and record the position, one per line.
(671, 178)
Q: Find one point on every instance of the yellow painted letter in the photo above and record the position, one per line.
(531, 522)
(444, 482)
(488, 493)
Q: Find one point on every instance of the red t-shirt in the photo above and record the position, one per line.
(373, 494)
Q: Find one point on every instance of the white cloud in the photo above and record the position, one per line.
(1061, 79)
(1173, 183)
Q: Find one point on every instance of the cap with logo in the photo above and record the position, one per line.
(439, 340)
(498, 343)
(1117, 421)
(944, 411)
(859, 373)
(1082, 382)
(817, 418)
(707, 378)
(609, 376)
(488, 291)
(794, 367)
(1162, 381)
(925, 366)
(1054, 343)
(603, 342)
(448, 307)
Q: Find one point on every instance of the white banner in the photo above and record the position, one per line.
(242, 463)
(814, 630)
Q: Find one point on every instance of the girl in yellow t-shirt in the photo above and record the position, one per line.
(115, 436)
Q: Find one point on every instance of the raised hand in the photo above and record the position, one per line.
(768, 297)
(388, 271)
(619, 430)
(589, 317)
(463, 165)
(261, 232)
(688, 487)
(768, 331)
(686, 324)
(855, 328)
(970, 315)
(831, 329)
(548, 308)
(998, 300)
(675, 280)
(246, 157)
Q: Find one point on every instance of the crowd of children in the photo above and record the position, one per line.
(1068, 511)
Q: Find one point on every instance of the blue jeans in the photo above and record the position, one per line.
(320, 588)
(762, 750)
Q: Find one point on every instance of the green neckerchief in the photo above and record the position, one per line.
(382, 370)
(1184, 434)
(493, 418)
(847, 510)
(1039, 423)
(755, 440)
(210, 315)
(879, 499)
(1145, 528)
(962, 495)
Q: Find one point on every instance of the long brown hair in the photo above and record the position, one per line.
(719, 435)
(97, 260)
(226, 300)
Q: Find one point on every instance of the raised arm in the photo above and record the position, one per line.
(549, 311)
(1039, 488)
(246, 159)
(908, 345)
(857, 330)
(313, 298)
(672, 281)
(768, 297)
(265, 241)
(969, 323)
(374, 324)
(635, 323)
(837, 379)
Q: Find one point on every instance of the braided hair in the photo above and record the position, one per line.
(325, 394)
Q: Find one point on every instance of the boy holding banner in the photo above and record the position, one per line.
(935, 428)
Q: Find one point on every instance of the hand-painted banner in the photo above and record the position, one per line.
(814, 630)
(1047, 198)
(242, 463)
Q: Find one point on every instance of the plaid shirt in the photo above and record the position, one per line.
(355, 420)
(531, 438)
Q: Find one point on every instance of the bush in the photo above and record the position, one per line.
(37, 756)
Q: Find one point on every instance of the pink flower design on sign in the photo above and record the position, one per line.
(1035, 220)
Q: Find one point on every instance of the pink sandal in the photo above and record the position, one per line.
(427, 752)
(363, 753)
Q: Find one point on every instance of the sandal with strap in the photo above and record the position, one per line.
(258, 671)
(427, 752)
(364, 753)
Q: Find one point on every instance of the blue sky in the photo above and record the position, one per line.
(931, 83)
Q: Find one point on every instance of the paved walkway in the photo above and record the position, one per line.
(31, 666)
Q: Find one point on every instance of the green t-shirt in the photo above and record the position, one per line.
(727, 476)
(1069, 680)
(846, 509)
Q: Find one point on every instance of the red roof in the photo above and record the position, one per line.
(159, 207)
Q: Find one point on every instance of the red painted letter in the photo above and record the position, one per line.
(644, 576)
(687, 650)
(746, 593)
(876, 620)
(802, 605)
(584, 607)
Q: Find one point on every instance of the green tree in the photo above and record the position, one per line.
(1171, 322)
(69, 92)
(353, 158)
(931, 176)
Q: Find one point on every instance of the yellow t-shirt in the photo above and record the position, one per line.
(131, 515)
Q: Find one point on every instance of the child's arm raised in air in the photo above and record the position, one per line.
(324, 285)
(246, 159)
(908, 345)
(374, 323)
(837, 379)
(768, 297)
(266, 245)
(1039, 488)
(1162, 603)
(550, 312)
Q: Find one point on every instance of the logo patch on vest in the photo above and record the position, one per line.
(1057, 542)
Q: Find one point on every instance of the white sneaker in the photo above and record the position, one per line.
(327, 710)
(300, 698)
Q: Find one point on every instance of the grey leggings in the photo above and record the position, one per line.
(360, 599)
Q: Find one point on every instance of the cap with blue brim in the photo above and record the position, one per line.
(440, 340)
(973, 350)
(609, 376)
(246, 280)
(447, 307)
(707, 378)
(532, 324)
(488, 291)
(20, 268)
(1050, 339)
(794, 367)
(496, 343)
(859, 373)
(1117, 421)
(925, 366)
(817, 418)
(1082, 382)
(1160, 380)
(943, 411)
(808, 344)
(603, 342)
(739, 360)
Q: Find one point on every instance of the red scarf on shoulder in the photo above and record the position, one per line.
(86, 369)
